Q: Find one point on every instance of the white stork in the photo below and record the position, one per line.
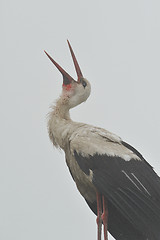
(118, 184)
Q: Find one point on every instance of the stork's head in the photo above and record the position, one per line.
(73, 92)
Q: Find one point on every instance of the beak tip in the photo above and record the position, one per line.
(69, 45)
(46, 53)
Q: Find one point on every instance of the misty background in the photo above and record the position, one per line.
(117, 46)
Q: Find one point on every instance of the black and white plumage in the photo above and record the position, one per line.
(101, 163)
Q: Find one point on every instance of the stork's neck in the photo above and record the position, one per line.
(61, 109)
(59, 123)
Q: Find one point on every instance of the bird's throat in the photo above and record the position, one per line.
(61, 109)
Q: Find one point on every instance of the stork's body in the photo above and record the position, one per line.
(111, 175)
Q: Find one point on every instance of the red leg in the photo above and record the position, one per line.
(105, 218)
(99, 215)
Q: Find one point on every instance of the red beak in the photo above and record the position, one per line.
(67, 79)
(77, 67)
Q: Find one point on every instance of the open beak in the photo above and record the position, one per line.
(67, 79)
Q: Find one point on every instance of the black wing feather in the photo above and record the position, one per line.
(132, 188)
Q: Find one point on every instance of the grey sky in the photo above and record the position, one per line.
(117, 46)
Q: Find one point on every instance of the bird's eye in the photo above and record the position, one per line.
(84, 83)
